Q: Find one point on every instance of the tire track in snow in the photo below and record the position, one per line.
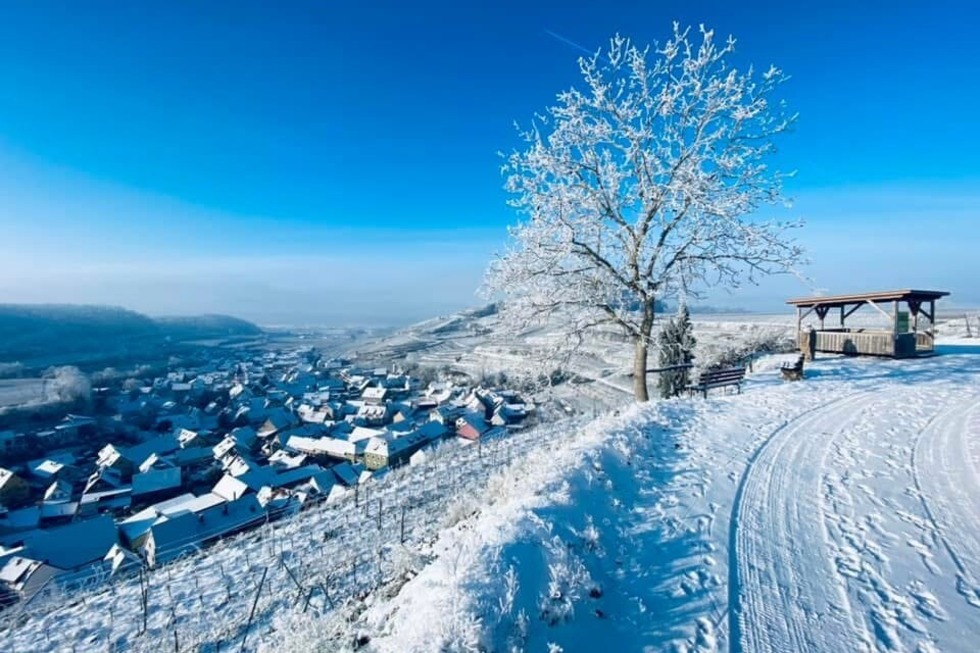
(948, 484)
(899, 610)
(784, 592)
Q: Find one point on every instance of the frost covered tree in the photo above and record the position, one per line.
(676, 347)
(641, 184)
(68, 384)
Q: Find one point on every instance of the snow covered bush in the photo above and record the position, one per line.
(589, 535)
(567, 577)
(505, 605)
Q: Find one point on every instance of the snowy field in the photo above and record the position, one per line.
(14, 392)
(834, 514)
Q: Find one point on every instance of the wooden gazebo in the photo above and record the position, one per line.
(906, 337)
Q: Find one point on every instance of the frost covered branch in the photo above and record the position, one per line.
(644, 185)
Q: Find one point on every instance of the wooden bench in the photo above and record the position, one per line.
(792, 371)
(718, 379)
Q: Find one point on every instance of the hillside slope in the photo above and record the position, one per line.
(478, 344)
(53, 333)
(827, 515)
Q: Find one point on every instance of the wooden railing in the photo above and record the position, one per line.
(866, 342)
(925, 341)
(874, 343)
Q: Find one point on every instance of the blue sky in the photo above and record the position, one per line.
(337, 162)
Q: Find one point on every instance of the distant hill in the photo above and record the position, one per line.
(60, 332)
(206, 326)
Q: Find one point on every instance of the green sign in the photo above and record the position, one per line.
(903, 321)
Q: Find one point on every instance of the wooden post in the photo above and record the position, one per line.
(251, 614)
(809, 345)
(895, 328)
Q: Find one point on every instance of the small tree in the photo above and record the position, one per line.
(676, 344)
(68, 384)
(15, 493)
(638, 187)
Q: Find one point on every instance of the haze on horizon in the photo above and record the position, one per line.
(338, 165)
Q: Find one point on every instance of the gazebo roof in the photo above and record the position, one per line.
(833, 301)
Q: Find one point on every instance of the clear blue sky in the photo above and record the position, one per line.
(331, 161)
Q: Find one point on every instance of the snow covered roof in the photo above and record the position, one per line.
(17, 568)
(163, 444)
(374, 393)
(47, 468)
(874, 297)
(363, 433)
(74, 545)
(185, 436)
(186, 503)
(224, 447)
(103, 495)
(154, 461)
(377, 446)
(192, 455)
(372, 412)
(294, 476)
(58, 491)
(322, 446)
(230, 488)
(175, 533)
(156, 480)
(433, 430)
(285, 460)
(345, 473)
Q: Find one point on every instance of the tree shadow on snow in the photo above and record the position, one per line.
(619, 560)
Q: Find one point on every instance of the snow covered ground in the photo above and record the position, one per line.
(834, 514)
(14, 392)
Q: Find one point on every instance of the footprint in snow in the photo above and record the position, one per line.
(926, 603)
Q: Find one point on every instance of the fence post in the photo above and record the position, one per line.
(251, 614)
(403, 524)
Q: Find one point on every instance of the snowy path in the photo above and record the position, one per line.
(854, 526)
(784, 593)
(948, 480)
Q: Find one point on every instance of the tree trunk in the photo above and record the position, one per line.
(643, 342)
(640, 371)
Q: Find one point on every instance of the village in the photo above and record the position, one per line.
(161, 468)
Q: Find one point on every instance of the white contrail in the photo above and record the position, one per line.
(568, 41)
